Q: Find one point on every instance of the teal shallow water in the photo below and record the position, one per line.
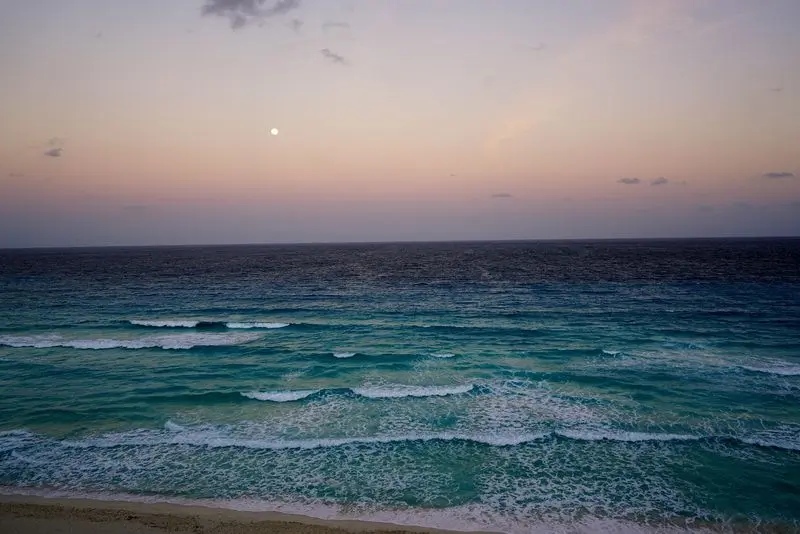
(500, 384)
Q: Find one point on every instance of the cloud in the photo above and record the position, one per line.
(629, 181)
(242, 12)
(776, 89)
(55, 141)
(296, 24)
(782, 174)
(502, 195)
(539, 47)
(333, 57)
(334, 25)
(16, 175)
(659, 181)
(54, 152)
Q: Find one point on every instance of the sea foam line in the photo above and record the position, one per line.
(170, 342)
(385, 392)
(776, 368)
(194, 323)
(174, 434)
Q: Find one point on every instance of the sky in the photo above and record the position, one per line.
(145, 122)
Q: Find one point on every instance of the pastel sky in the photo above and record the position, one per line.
(127, 122)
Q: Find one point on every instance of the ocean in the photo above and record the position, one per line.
(512, 386)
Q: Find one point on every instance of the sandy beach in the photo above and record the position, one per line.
(37, 515)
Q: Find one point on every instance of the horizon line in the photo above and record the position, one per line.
(407, 242)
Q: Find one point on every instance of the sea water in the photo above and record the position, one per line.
(507, 386)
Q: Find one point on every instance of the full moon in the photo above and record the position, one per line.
(274, 131)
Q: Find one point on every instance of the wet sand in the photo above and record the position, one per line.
(38, 515)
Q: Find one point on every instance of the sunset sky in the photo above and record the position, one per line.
(148, 121)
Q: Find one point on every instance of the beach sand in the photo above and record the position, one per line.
(38, 515)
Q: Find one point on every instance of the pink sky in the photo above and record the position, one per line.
(447, 119)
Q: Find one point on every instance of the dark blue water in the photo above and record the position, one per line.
(482, 385)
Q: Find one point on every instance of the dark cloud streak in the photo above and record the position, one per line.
(333, 57)
(54, 152)
(629, 181)
(659, 181)
(777, 175)
(242, 12)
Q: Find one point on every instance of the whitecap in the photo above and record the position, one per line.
(343, 354)
(280, 396)
(172, 341)
(165, 323)
(237, 325)
(775, 368)
(394, 392)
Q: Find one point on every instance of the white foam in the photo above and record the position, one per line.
(775, 368)
(222, 437)
(394, 392)
(173, 427)
(280, 396)
(618, 435)
(193, 323)
(218, 438)
(165, 323)
(171, 341)
(611, 352)
(343, 354)
(443, 355)
(256, 325)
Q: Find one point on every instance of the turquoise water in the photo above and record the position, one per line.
(469, 385)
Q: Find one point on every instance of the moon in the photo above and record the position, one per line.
(274, 131)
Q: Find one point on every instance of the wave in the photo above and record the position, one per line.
(280, 396)
(776, 368)
(394, 392)
(165, 323)
(169, 342)
(192, 323)
(611, 352)
(176, 434)
(443, 355)
(344, 354)
(386, 392)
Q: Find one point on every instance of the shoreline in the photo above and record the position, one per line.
(34, 514)
(26, 512)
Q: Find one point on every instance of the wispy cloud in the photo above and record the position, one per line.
(539, 47)
(16, 175)
(333, 57)
(659, 181)
(629, 181)
(296, 24)
(242, 12)
(780, 174)
(334, 24)
(54, 148)
(502, 195)
(776, 89)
